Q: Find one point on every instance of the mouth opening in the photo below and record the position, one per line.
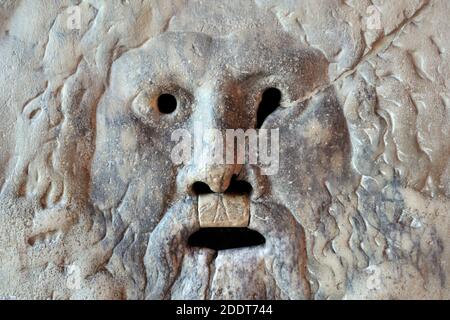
(226, 238)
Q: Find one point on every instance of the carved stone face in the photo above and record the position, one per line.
(217, 83)
(101, 100)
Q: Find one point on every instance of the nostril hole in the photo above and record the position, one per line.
(166, 103)
(201, 188)
(270, 101)
(239, 187)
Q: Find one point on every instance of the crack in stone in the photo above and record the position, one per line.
(379, 46)
(211, 274)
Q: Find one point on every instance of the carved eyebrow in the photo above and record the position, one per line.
(252, 77)
(265, 70)
(171, 79)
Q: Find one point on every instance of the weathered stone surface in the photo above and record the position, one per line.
(92, 205)
(216, 210)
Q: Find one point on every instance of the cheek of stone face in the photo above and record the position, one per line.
(131, 170)
(314, 154)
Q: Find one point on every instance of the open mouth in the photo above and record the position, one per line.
(214, 246)
(226, 238)
(224, 218)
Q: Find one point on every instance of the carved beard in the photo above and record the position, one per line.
(275, 270)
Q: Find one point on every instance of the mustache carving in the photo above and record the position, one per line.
(166, 248)
(274, 270)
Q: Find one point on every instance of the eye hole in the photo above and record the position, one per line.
(166, 103)
(270, 100)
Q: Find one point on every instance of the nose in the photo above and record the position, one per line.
(235, 188)
(211, 117)
(223, 200)
(215, 179)
(208, 171)
(212, 179)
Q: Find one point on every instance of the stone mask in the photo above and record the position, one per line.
(219, 83)
(233, 149)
